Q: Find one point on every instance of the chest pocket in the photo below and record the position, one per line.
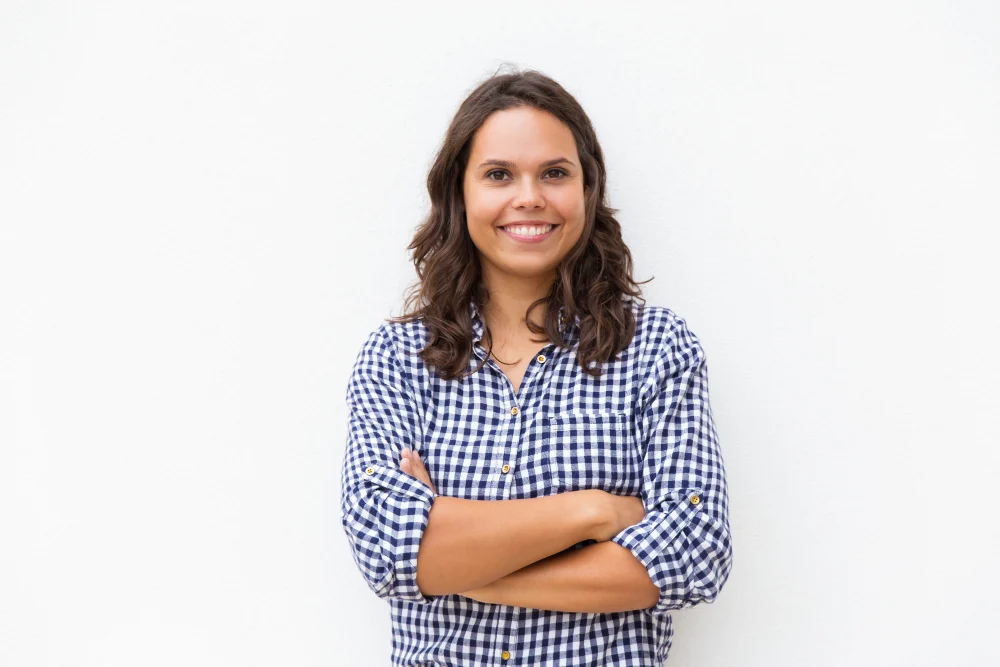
(593, 450)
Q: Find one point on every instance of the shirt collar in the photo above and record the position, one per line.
(567, 329)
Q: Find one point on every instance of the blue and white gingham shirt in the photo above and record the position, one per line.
(644, 428)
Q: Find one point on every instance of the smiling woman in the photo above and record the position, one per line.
(547, 491)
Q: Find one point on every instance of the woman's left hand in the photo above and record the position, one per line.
(412, 465)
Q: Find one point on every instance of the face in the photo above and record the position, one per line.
(523, 168)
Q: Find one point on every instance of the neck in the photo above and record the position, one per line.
(508, 303)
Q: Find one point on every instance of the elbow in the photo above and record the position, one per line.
(707, 584)
(436, 588)
(688, 565)
(428, 585)
(697, 577)
(393, 588)
(436, 578)
(387, 557)
(390, 579)
(652, 596)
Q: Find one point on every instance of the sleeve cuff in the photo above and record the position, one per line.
(654, 543)
(401, 507)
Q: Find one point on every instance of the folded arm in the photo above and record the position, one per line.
(597, 578)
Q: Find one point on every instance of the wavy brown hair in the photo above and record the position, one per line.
(592, 280)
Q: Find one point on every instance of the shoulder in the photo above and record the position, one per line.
(665, 338)
(660, 324)
(395, 337)
(406, 338)
(394, 347)
(381, 358)
(654, 319)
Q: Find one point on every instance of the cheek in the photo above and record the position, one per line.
(483, 210)
(572, 205)
(479, 218)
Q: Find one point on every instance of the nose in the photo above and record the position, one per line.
(528, 194)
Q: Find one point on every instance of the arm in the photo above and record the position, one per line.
(469, 543)
(390, 517)
(598, 578)
(618, 512)
(684, 540)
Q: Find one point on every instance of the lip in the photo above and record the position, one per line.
(530, 239)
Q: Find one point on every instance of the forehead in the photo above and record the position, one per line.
(522, 134)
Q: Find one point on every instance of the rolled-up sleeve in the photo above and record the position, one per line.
(684, 540)
(384, 511)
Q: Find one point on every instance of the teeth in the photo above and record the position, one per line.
(528, 230)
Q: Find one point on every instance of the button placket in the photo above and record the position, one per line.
(507, 625)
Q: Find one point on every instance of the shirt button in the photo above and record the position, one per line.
(369, 471)
(541, 358)
(513, 410)
(505, 655)
(695, 500)
(506, 468)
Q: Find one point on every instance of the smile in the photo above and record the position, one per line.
(528, 233)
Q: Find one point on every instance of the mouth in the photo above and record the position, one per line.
(528, 233)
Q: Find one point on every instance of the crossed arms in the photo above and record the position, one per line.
(514, 552)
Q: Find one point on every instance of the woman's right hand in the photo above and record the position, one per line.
(616, 513)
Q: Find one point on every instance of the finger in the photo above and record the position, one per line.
(417, 467)
(422, 474)
(426, 476)
(419, 464)
(420, 470)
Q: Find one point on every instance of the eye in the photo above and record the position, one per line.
(488, 175)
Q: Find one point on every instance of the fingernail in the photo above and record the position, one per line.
(406, 451)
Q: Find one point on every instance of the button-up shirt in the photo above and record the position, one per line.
(643, 428)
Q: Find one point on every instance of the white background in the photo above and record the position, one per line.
(205, 209)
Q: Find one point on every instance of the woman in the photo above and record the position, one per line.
(532, 474)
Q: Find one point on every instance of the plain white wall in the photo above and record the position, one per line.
(205, 209)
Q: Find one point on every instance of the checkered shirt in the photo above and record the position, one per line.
(644, 429)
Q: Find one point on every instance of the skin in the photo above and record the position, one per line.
(602, 577)
(516, 274)
(599, 578)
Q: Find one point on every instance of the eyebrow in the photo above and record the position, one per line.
(510, 165)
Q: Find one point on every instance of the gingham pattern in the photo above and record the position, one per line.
(644, 428)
